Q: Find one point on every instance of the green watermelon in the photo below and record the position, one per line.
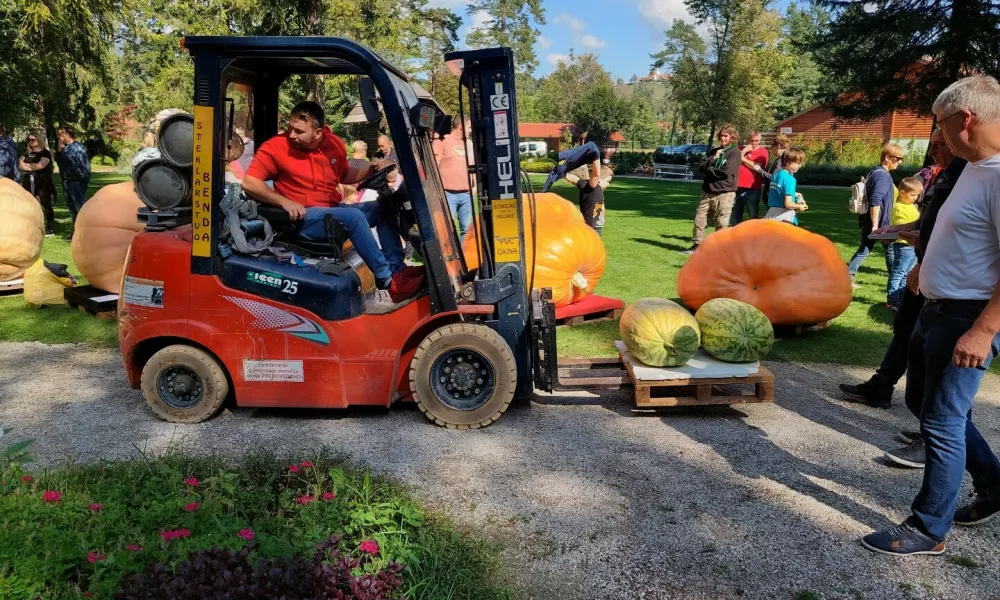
(659, 332)
(734, 331)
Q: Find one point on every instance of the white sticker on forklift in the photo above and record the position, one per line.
(273, 370)
(143, 292)
(500, 125)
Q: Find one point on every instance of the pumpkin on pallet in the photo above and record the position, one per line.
(104, 230)
(570, 256)
(793, 276)
(22, 230)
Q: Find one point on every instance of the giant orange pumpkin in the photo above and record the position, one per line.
(21, 230)
(104, 229)
(570, 257)
(793, 276)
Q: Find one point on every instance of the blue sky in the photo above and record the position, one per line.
(622, 33)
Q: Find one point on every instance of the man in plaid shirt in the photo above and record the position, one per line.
(74, 169)
(8, 156)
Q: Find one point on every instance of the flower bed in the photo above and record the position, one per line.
(125, 530)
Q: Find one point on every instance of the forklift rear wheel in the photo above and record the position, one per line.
(184, 384)
(463, 376)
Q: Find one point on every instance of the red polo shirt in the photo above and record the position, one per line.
(309, 177)
(750, 179)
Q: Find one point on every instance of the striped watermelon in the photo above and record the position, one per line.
(734, 331)
(659, 332)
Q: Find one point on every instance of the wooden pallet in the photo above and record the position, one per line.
(785, 331)
(701, 391)
(12, 287)
(594, 317)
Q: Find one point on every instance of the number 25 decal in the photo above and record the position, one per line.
(291, 287)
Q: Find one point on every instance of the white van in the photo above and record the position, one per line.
(533, 149)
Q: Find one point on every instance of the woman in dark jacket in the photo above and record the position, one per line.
(36, 177)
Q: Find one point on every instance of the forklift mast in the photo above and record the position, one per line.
(522, 317)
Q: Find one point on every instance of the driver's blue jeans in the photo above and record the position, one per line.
(358, 219)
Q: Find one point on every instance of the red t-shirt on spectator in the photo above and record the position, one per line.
(309, 177)
(749, 179)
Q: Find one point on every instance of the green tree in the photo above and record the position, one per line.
(884, 55)
(560, 90)
(511, 23)
(599, 112)
(638, 122)
(801, 87)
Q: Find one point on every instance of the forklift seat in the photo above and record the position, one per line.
(286, 232)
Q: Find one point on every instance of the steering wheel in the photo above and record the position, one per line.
(367, 181)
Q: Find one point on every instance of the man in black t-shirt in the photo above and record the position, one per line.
(591, 182)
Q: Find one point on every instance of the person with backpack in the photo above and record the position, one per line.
(872, 200)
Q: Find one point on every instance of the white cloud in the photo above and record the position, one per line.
(555, 58)
(663, 12)
(544, 43)
(589, 41)
(572, 22)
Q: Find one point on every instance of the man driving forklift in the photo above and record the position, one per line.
(306, 164)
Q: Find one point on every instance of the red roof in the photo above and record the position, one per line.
(542, 130)
(617, 137)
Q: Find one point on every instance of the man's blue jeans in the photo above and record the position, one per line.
(748, 199)
(76, 195)
(954, 445)
(863, 250)
(461, 207)
(358, 219)
(902, 257)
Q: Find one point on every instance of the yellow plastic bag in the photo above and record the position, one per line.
(42, 287)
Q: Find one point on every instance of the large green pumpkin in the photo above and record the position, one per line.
(734, 331)
(659, 332)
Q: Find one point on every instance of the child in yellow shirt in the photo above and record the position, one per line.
(901, 255)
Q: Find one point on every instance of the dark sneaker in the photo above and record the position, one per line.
(867, 393)
(689, 251)
(912, 455)
(908, 435)
(403, 287)
(901, 540)
(981, 510)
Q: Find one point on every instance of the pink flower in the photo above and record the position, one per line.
(369, 547)
(191, 481)
(95, 507)
(293, 469)
(304, 500)
(193, 506)
(306, 464)
(329, 496)
(93, 557)
(246, 534)
(51, 496)
(173, 534)
(26, 478)
(133, 548)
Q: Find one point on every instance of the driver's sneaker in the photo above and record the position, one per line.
(404, 287)
(982, 510)
(902, 540)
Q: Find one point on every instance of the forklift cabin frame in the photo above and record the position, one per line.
(264, 63)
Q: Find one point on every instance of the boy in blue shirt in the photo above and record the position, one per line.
(782, 200)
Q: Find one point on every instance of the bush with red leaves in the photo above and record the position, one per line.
(216, 574)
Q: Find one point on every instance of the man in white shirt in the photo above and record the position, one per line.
(956, 335)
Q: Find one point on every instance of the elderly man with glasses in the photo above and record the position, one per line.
(879, 191)
(957, 334)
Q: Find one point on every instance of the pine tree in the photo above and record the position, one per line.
(510, 23)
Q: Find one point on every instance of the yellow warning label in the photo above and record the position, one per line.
(201, 181)
(506, 237)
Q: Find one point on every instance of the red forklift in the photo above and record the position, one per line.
(199, 326)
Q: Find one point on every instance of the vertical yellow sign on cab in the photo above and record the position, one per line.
(201, 181)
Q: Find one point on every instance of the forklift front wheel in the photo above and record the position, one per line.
(184, 384)
(463, 376)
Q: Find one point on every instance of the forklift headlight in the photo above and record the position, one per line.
(456, 66)
(422, 116)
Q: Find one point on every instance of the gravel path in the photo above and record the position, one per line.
(590, 500)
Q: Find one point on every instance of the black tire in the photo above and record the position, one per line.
(201, 384)
(487, 395)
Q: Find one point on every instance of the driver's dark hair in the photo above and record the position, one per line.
(310, 111)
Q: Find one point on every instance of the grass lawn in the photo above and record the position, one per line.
(58, 324)
(647, 223)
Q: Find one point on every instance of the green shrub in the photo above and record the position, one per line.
(538, 165)
(630, 162)
(85, 528)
